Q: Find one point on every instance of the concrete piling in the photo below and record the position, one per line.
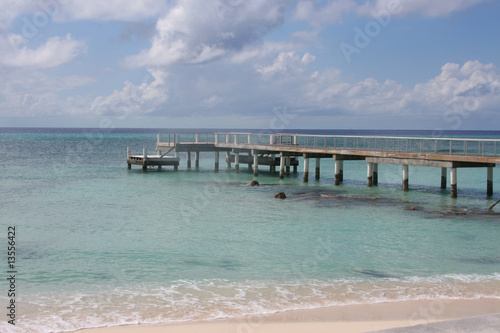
(282, 166)
(405, 177)
(443, 178)
(453, 182)
(255, 163)
(369, 175)
(318, 161)
(339, 172)
(489, 185)
(237, 162)
(306, 168)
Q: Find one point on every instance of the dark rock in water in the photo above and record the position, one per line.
(412, 208)
(280, 195)
(374, 273)
(253, 183)
(453, 213)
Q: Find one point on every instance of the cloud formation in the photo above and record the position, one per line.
(54, 52)
(197, 31)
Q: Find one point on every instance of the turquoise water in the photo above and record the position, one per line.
(98, 244)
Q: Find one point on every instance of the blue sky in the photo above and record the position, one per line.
(353, 64)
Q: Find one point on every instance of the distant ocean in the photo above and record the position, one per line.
(99, 245)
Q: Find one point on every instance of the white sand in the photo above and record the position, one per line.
(350, 318)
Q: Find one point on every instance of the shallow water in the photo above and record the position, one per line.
(98, 244)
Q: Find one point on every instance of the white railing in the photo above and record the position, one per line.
(444, 146)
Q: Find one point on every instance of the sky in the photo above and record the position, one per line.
(261, 64)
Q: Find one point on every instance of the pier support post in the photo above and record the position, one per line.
(453, 182)
(237, 162)
(282, 166)
(249, 161)
(306, 168)
(295, 168)
(188, 159)
(489, 185)
(405, 177)
(217, 160)
(255, 163)
(145, 158)
(318, 161)
(272, 167)
(339, 172)
(228, 161)
(375, 174)
(443, 178)
(287, 165)
(129, 152)
(369, 174)
(197, 159)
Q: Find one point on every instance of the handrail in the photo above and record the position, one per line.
(447, 146)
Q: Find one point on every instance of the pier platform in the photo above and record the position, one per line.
(284, 150)
(146, 160)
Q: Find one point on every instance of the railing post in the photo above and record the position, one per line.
(249, 138)
(271, 139)
(197, 138)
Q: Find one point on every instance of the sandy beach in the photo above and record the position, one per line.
(349, 318)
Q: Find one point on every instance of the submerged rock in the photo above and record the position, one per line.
(253, 183)
(280, 195)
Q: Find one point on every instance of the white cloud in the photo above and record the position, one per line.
(134, 100)
(109, 10)
(12, 9)
(286, 65)
(211, 101)
(332, 12)
(56, 51)
(471, 87)
(429, 8)
(197, 31)
(32, 93)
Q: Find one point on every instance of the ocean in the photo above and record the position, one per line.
(99, 245)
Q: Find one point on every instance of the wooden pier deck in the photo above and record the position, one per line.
(283, 150)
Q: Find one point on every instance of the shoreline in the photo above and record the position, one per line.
(346, 318)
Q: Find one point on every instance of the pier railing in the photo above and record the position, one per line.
(443, 146)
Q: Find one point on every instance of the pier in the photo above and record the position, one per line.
(284, 150)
